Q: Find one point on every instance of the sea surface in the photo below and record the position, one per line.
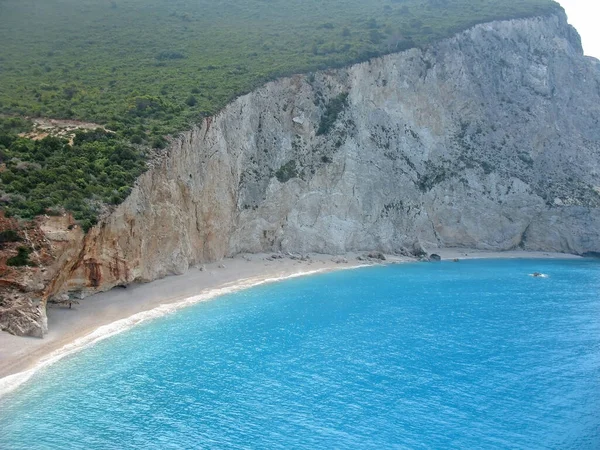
(468, 355)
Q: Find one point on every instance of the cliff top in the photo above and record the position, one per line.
(151, 66)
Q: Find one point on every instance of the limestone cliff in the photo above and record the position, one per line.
(489, 139)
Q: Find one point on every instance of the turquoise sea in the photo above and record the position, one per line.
(468, 355)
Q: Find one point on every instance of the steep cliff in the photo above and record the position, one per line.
(490, 139)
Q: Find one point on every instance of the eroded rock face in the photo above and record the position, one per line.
(52, 242)
(490, 140)
(22, 317)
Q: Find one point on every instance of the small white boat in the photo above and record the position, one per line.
(538, 275)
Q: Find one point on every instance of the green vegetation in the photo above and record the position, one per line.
(332, 111)
(135, 63)
(50, 174)
(287, 172)
(149, 68)
(13, 125)
(22, 258)
(9, 236)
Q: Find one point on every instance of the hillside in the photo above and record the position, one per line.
(155, 66)
(145, 69)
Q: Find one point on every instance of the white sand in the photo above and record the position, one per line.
(103, 315)
(463, 253)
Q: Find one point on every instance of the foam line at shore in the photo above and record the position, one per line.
(12, 382)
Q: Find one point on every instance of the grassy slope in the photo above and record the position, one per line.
(95, 59)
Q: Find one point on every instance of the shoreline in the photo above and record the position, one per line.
(104, 315)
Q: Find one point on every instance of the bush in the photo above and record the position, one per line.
(9, 236)
(287, 172)
(81, 137)
(14, 125)
(169, 54)
(159, 142)
(51, 175)
(137, 139)
(22, 258)
(332, 111)
(191, 101)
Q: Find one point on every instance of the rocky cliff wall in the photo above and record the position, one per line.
(490, 139)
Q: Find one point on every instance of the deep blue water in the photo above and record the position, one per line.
(475, 354)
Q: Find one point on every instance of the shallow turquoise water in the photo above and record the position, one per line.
(469, 355)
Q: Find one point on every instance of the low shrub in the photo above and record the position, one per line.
(332, 111)
(287, 172)
(22, 258)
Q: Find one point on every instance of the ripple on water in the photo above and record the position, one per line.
(470, 355)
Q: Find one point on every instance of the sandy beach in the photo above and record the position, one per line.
(103, 315)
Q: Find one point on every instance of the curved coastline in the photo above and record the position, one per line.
(106, 315)
(78, 340)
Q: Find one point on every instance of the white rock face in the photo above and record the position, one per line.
(490, 139)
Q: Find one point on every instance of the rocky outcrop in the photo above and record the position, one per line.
(22, 317)
(489, 140)
(52, 241)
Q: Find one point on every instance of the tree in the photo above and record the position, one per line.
(191, 101)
